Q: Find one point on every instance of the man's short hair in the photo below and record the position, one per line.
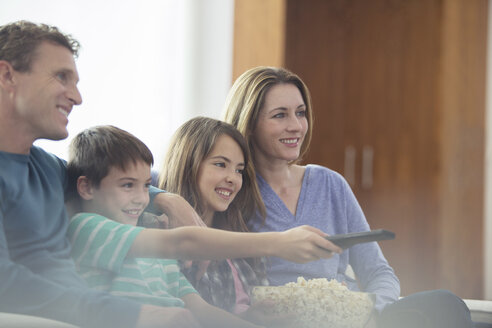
(94, 151)
(19, 41)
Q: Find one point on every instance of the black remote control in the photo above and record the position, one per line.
(350, 239)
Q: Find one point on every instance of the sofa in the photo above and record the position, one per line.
(481, 312)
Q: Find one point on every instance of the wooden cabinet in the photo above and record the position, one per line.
(398, 89)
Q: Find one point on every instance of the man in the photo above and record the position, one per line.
(38, 90)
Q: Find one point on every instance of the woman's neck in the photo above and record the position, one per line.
(275, 172)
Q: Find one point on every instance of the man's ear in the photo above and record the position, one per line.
(85, 188)
(7, 80)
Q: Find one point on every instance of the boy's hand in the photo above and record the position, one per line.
(178, 210)
(304, 244)
(152, 316)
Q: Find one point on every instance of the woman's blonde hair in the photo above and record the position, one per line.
(247, 96)
(189, 147)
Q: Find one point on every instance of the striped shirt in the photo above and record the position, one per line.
(99, 248)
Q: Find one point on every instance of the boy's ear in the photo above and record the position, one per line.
(84, 188)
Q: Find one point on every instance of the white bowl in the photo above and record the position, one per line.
(319, 307)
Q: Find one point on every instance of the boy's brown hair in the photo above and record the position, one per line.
(94, 151)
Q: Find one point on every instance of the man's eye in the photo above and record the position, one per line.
(62, 76)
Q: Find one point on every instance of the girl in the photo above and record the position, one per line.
(208, 163)
(271, 107)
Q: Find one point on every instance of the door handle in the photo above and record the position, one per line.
(367, 167)
(349, 165)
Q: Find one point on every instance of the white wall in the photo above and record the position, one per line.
(145, 66)
(488, 167)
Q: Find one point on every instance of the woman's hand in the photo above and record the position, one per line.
(304, 244)
(260, 313)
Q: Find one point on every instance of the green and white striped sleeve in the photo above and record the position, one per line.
(99, 242)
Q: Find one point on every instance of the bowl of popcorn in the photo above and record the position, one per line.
(318, 303)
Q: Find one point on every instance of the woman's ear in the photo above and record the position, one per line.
(84, 188)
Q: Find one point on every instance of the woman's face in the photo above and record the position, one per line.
(220, 176)
(281, 125)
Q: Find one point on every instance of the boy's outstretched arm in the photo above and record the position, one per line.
(301, 244)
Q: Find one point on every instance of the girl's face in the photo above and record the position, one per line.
(220, 176)
(282, 124)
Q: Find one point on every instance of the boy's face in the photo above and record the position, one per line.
(122, 195)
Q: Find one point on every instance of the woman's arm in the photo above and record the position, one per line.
(301, 244)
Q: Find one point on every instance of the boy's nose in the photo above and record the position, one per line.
(141, 198)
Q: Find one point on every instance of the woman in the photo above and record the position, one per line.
(271, 107)
(208, 164)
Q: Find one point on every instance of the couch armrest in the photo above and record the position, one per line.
(11, 320)
(481, 311)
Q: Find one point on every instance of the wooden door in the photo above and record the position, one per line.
(399, 99)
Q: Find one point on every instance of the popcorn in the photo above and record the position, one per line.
(318, 303)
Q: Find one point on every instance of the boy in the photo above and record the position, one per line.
(111, 171)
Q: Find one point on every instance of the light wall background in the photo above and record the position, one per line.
(145, 66)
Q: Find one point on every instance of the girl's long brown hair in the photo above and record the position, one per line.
(189, 147)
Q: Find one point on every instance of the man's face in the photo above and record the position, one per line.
(44, 96)
(122, 195)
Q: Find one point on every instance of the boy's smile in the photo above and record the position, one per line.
(122, 195)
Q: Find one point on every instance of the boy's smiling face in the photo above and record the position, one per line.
(122, 195)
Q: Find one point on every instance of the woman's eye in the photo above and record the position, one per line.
(128, 185)
(240, 171)
(147, 185)
(220, 164)
(279, 115)
(301, 113)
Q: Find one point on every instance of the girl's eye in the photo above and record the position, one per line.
(240, 171)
